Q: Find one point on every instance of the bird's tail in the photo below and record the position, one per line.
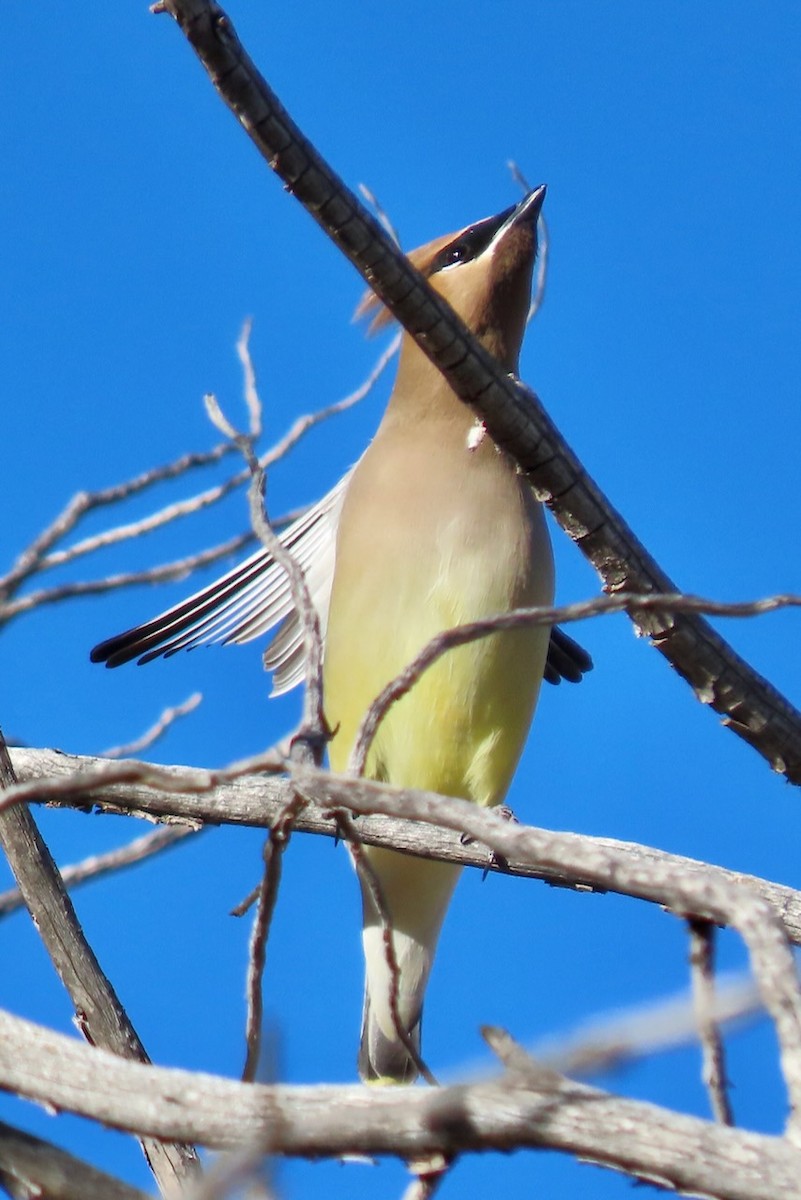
(415, 893)
(384, 1059)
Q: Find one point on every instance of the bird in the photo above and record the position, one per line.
(433, 527)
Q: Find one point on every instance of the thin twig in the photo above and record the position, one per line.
(308, 421)
(168, 718)
(202, 500)
(84, 502)
(274, 849)
(38, 556)
(252, 401)
(312, 735)
(673, 602)
(380, 212)
(168, 572)
(311, 738)
(702, 974)
(97, 865)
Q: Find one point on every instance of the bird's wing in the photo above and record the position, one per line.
(246, 602)
(255, 596)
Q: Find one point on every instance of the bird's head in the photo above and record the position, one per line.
(484, 271)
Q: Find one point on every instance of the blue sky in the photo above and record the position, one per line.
(141, 228)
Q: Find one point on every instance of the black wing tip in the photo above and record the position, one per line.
(119, 650)
(116, 651)
(566, 659)
(104, 652)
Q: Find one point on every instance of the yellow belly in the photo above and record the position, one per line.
(461, 728)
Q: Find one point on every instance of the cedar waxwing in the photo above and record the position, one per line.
(434, 527)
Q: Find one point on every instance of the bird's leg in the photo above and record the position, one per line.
(494, 860)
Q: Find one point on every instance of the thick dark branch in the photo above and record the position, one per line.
(512, 413)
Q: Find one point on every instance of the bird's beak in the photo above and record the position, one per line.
(528, 210)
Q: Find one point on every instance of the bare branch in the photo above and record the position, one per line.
(179, 569)
(194, 504)
(99, 1013)
(37, 558)
(712, 897)
(413, 822)
(686, 888)
(309, 420)
(414, 1124)
(32, 558)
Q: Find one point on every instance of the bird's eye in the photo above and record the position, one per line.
(458, 252)
(470, 243)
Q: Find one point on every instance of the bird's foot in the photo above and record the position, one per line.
(494, 861)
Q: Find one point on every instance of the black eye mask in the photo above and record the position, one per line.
(471, 243)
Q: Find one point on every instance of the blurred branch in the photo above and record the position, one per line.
(168, 718)
(30, 1167)
(608, 1043)
(517, 1110)
(702, 969)
(240, 1173)
(512, 413)
(98, 865)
